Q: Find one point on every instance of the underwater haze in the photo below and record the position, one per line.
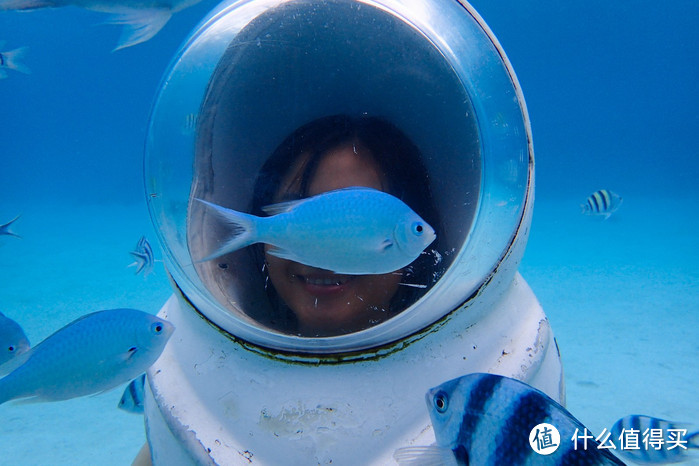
(611, 89)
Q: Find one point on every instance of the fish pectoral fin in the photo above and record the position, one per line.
(386, 245)
(281, 207)
(282, 253)
(139, 25)
(431, 455)
(131, 352)
(27, 400)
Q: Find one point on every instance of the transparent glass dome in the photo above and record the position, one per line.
(256, 74)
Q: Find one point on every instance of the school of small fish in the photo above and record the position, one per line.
(13, 342)
(141, 19)
(92, 354)
(144, 257)
(654, 445)
(487, 419)
(602, 203)
(354, 231)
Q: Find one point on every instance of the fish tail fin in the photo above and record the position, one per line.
(140, 25)
(13, 60)
(7, 5)
(5, 229)
(242, 226)
(5, 390)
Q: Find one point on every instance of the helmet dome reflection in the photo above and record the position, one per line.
(272, 101)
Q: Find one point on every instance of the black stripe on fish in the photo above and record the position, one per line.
(599, 201)
(477, 399)
(528, 411)
(461, 455)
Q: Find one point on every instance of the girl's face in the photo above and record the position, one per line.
(326, 303)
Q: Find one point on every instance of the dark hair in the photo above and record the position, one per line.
(400, 165)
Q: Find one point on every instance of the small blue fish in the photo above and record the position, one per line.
(646, 430)
(488, 420)
(5, 228)
(12, 60)
(92, 354)
(13, 341)
(354, 231)
(132, 399)
(602, 202)
(144, 257)
(142, 19)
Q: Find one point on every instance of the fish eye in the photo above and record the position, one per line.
(418, 229)
(157, 328)
(11, 349)
(441, 402)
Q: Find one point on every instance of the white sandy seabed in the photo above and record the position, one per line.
(622, 296)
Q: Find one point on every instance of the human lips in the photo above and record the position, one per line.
(334, 280)
(316, 282)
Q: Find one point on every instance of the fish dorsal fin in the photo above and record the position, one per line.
(286, 206)
(140, 25)
(282, 207)
(281, 253)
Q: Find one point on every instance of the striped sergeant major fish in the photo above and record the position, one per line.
(602, 202)
(144, 257)
(659, 441)
(490, 420)
(132, 399)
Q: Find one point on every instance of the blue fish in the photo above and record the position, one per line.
(5, 228)
(132, 399)
(354, 231)
(90, 355)
(490, 420)
(659, 441)
(603, 203)
(13, 342)
(144, 257)
(12, 60)
(142, 19)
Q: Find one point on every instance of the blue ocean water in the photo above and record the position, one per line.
(611, 92)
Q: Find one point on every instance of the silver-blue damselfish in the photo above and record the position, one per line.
(487, 419)
(142, 19)
(658, 441)
(13, 341)
(354, 231)
(92, 354)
